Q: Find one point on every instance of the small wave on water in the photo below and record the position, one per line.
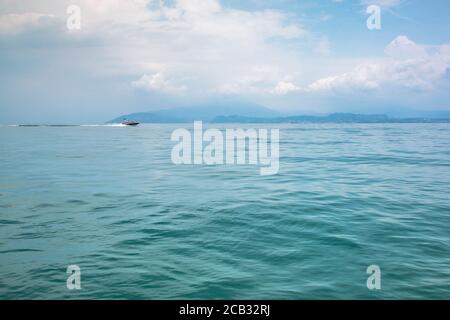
(140, 227)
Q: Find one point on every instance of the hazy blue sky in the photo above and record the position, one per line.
(296, 56)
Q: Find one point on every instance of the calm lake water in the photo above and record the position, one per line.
(109, 200)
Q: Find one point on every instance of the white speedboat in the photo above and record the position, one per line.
(129, 122)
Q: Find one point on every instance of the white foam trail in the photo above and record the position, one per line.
(104, 125)
(81, 125)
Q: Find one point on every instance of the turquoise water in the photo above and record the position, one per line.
(109, 200)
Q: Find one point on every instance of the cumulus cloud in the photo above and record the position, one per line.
(212, 48)
(408, 65)
(403, 48)
(283, 87)
(189, 49)
(219, 50)
(158, 82)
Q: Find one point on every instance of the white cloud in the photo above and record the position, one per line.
(362, 77)
(199, 47)
(283, 87)
(14, 23)
(403, 48)
(409, 65)
(203, 46)
(158, 82)
(200, 7)
(219, 50)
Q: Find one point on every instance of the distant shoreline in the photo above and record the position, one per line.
(335, 118)
(157, 117)
(401, 121)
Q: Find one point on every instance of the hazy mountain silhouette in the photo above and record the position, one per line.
(205, 113)
(332, 118)
(237, 112)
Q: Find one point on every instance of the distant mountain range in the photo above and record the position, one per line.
(257, 114)
(206, 113)
(332, 118)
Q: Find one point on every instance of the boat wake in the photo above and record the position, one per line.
(65, 125)
(104, 125)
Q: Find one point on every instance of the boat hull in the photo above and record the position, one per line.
(130, 123)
